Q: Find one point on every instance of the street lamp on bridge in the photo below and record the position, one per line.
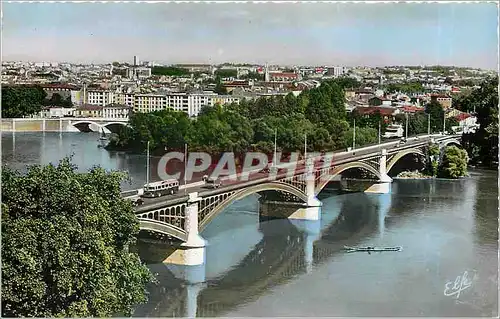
(354, 136)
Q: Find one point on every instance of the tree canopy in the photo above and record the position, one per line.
(483, 144)
(318, 113)
(19, 101)
(65, 239)
(454, 163)
(169, 71)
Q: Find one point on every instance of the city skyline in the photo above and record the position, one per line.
(346, 34)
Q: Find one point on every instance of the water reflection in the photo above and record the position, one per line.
(22, 149)
(289, 268)
(437, 238)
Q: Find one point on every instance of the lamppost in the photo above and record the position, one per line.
(379, 132)
(428, 124)
(354, 136)
(274, 155)
(444, 122)
(305, 148)
(185, 165)
(406, 130)
(147, 164)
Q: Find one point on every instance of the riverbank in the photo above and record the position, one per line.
(415, 175)
(412, 175)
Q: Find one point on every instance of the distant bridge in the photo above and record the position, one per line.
(63, 124)
(185, 216)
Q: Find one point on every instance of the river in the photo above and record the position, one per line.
(285, 268)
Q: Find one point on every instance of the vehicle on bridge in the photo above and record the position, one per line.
(213, 182)
(393, 131)
(157, 189)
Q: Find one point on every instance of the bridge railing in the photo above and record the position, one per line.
(284, 165)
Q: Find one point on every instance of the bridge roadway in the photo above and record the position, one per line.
(339, 157)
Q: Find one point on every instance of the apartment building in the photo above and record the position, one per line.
(116, 111)
(99, 97)
(189, 103)
(442, 99)
(89, 110)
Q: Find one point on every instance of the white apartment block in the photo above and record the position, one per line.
(116, 111)
(189, 103)
(99, 97)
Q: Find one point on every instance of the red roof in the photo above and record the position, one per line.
(373, 110)
(412, 109)
(60, 86)
(462, 116)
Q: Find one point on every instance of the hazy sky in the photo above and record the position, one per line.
(295, 33)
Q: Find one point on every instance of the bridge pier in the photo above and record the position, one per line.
(312, 200)
(191, 252)
(312, 232)
(191, 304)
(384, 184)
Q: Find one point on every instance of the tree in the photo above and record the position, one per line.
(57, 100)
(65, 239)
(454, 163)
(485, 101)
(433, 159)
(19, 101)
(437, 115)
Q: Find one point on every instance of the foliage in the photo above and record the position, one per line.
(169, 71)
(483, 145)
(226, 73)
(57, 100)
(318, 113)
(408, 87)
(437, 116)
(65, 238)
(165, 128)
(254, 76)
(454, 163)
(433, 159)
(364, 135)
(19, 101)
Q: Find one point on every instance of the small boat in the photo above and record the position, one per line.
(370, 249)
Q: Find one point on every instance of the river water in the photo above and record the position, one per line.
(447, 229)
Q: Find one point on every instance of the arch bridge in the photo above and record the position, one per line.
(100, 123)
(187, 216)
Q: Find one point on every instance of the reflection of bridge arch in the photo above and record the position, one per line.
(402, 154)
(326, 177)
(219, 206)
(272, 262)
(284, 259)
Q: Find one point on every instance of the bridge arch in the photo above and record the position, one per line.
(452, 141)
(329, 175)
(162, 228)
(100, 126)
(402, 154)
(244, 192)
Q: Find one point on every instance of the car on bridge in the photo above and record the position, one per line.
(213, 182)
